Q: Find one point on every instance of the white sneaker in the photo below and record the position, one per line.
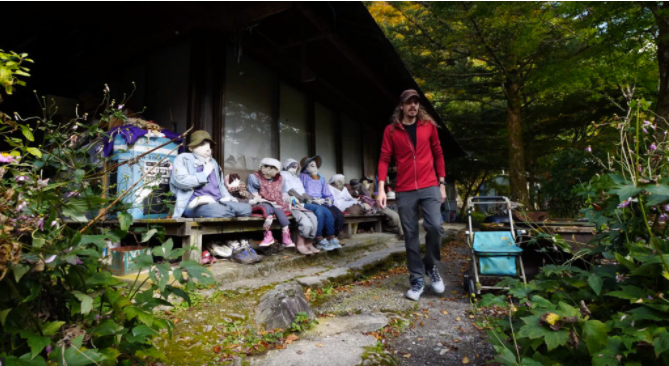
(220, 250)
(417, 288)
(436, 282)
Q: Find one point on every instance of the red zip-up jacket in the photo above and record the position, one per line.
(415, 166)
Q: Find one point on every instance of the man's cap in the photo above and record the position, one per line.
(306, 160)
(363, 179)
(354, 182)
(407, 94)
(199, 137)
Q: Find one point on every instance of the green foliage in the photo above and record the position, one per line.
(10, 70)
(60, 305)
(302, 322)
(607, 304)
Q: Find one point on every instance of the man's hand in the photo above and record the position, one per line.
(442, 189)
(381, 199)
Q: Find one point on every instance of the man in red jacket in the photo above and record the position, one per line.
(412, 139)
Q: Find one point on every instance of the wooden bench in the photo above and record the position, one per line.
(351, 223)
(191, 230)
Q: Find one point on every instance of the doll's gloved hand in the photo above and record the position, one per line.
(328, 202)
(208, 168)
(199, 201)
(319, 201)
(228, 199)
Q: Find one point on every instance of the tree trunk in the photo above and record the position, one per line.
(517, 174)
(662, 42)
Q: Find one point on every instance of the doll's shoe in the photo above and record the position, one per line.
(245, 244)
(311, 247)
(324, 245)
(220, 250)
(335, 243)
(286, 240)
(207, 258)
(267, 240)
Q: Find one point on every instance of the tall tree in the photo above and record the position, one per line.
(486, 53)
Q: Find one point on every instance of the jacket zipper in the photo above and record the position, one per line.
(415, 169)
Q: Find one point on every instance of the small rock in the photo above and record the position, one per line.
(208, 328)
(441, 353)
(278, 307)
(366, 363)
(437, 349)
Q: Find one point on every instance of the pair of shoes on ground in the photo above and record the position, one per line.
(268, 239)
(328, 245)
(239, 251)
(418, 285)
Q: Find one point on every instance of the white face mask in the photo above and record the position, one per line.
(338, 184)
(234, 184)
(312, 168)
(293, 170)
(203, 151)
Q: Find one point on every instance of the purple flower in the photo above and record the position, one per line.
(650, 297)
(48, 349)
(54, 222)
(97, 317)
(664, 217)
(625, 203)
(67, 250)
(638, 168)
(6, 158)
(106, 88)
(43, 183)
(120, 106)
(21, 206)
(646, 123)
(588, 149)
(666, 207)
(50, 259)
(74, 127)
(72, 194)
(644, 130)
(78, 261)
(21, 179)
(653, 147)
(40, 223)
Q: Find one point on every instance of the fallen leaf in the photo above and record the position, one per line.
(285, 256)
(419, 338)
(421, 323)
(307, 294)
(279, 346)
(167, 312)
(444, 312)
(291, 338)
(457, 340)
(477, 326)
(299, 352)
(458, 318)
(176, 320)
(465, 360)
(408, 355)
(454, 292)
(471, 317)
(426, 317)
(319, 345)
(217, 349)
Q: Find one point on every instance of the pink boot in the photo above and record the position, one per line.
(285, 238)
(267, 240)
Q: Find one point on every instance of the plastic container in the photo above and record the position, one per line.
(147, 199)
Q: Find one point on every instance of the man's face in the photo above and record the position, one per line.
(410, 107)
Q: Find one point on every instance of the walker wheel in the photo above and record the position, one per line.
(472, 288)
(465, 283)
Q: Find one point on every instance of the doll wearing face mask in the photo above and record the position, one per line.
(266, 187)
(196, 182)
(315, 186)
(343, 199)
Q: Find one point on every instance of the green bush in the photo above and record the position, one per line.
(605, 306)
(59, 304)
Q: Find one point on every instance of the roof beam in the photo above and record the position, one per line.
(321, 25)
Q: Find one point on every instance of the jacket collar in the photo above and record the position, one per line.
(401, 125)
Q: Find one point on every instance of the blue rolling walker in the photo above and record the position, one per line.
(494, 253)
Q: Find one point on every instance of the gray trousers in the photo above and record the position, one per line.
(408, 203)
(219, 210)
(306, 223)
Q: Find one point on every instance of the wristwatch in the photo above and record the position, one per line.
(442, 183)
